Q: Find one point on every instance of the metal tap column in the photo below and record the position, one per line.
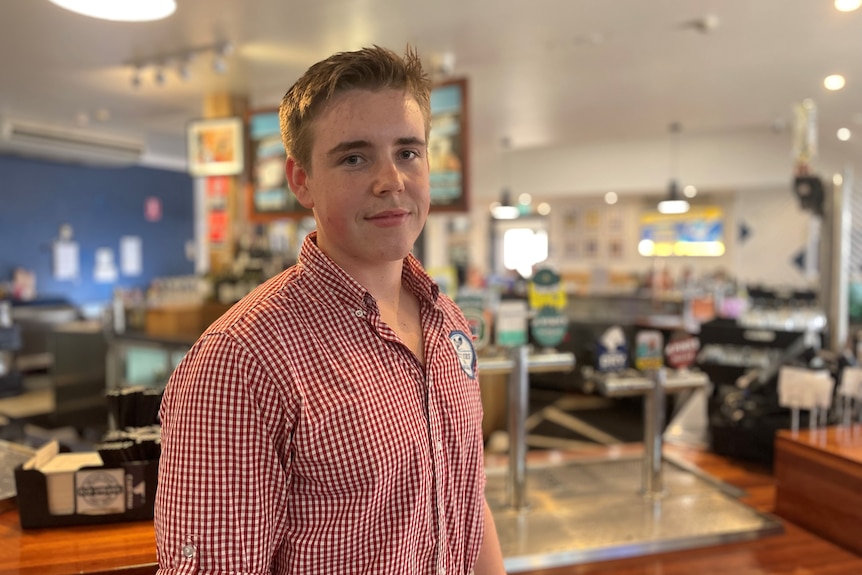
(654, 417)
(518, 400)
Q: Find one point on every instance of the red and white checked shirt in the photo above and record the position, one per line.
(300, 435)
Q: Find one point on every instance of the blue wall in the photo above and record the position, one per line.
(101, 205)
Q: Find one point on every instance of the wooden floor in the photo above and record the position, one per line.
(795, 552)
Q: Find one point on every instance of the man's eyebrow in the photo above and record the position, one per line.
(352, 145)
(348, 146)
(410, 141)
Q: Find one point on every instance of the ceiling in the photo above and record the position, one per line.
(544, 73)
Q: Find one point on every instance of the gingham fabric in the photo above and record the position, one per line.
(299, 435)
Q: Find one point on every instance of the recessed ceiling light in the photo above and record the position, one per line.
(843, 134)
(847, 5)
(834, 82)
(689, 191)
(121, 10)
(611, 198)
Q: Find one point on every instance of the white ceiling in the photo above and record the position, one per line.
(543, 73)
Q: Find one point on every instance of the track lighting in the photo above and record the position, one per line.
(180, 61)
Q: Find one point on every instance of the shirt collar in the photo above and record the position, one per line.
(345, 287)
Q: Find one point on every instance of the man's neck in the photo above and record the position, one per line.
(383, 282)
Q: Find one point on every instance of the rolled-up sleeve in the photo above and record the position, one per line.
(224, 472)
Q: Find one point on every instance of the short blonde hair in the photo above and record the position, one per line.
(373, 68)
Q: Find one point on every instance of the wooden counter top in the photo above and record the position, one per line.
(840, 441)
(818, 477)
(122, 548)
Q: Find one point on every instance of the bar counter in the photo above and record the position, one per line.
(114, 549)
(819, 482)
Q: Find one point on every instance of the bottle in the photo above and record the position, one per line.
(118, 313)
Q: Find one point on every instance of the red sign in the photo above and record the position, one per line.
(682, 352)
(217, 192)
(217, 227)
(152, 209)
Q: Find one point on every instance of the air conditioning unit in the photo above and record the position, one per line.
(67, 145)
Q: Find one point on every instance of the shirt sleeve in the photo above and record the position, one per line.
(224, 471)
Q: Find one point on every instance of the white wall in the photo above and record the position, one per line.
(749, 173)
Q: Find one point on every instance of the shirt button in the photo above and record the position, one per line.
(188, 551)
(359, 313)
(439, 446)
(441, 571)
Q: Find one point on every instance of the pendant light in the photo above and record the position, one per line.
(504, 209)
(673, 204)
(121, 10)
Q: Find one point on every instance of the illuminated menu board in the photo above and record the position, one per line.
(699, 232)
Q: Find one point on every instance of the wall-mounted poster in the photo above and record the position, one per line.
(215, 147)
(447, 147)
(270, 197)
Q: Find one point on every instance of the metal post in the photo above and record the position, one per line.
(518, 402)
(653, 427)
(835, 266)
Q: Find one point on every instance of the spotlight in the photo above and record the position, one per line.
(136, 77)
(225, 48)
(219, 64)
(183, 70)
(222, 51)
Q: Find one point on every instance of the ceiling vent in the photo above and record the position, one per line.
(67, 145)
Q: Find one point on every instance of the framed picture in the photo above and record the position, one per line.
(215, 147)
(447, 147)
(269, 195)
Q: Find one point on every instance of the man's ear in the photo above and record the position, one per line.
(297, 179)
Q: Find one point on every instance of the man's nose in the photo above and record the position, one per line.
(388, 177)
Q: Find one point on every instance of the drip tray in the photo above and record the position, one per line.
(587, 511)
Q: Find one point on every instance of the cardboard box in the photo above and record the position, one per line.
(182, 320)
(66, 494)
(174, 321)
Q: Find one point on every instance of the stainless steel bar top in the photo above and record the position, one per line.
(632, 383)
(685, 380)
(536, 363)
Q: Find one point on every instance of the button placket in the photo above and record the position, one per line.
(439, 475)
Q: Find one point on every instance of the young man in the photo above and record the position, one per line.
(330, 422)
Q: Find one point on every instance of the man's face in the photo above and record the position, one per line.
(369, 177)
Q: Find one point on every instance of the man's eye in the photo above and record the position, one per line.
(409, 154)
(351, 160)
